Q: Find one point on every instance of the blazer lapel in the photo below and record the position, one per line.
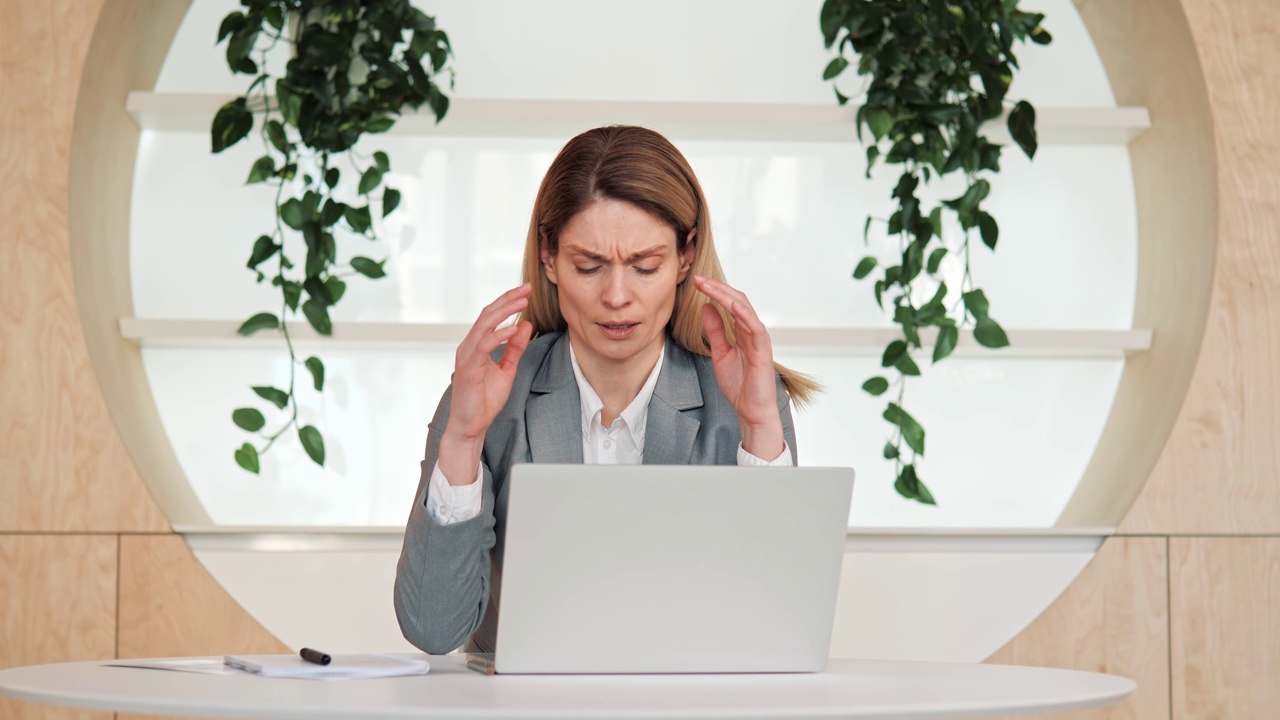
(669, 432)
(553, 415)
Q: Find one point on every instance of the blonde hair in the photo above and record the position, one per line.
(638, 166)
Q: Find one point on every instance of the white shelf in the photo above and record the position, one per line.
(477, 117)
(151, 332)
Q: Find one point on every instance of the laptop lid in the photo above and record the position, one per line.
(669, 569)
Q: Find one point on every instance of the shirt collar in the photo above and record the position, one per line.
(636, 412)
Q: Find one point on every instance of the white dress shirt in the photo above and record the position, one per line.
(622, 443)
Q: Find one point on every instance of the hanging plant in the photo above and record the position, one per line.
(354, 69)
(935, 72)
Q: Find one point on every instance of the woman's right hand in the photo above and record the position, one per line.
(480, 385)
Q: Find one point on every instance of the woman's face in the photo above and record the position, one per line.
(616, 274)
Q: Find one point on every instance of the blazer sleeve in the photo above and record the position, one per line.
(788, 424)
(442, 579)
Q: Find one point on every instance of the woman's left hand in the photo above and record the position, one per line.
(744, 370)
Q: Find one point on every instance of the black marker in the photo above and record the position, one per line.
(314, 656)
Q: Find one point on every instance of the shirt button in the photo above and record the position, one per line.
(608, 444)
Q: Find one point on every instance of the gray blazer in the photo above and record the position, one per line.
(449, 577)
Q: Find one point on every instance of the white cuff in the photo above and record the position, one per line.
(452, 504)
(748, 460)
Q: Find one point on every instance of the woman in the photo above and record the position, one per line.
(617, 358)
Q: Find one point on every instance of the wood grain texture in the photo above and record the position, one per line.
(129, 46)
(57, 604)
(1113, 619)
(170, 605)
(1146, 47)
(1219, 471)
(62, 461)
(1225, 627)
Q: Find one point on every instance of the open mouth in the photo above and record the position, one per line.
(617, 330)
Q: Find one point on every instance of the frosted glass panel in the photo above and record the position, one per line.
(787, 218)
(767, 51)
(374, 415)
(1006, 440)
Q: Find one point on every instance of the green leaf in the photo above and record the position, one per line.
(331, 177)
(318, 291)
(317, 371)
(975, 301)
(880, 121)
(834, 68)
(935, 260)
(230, 24)
(313, 443)
(275, 133)
(841, 99)
(1022, 126)
(231, 124)
(274, 15)
(909, 486)
(263, 248)
(873, 154)
(866, 231)
(247, 458)
(890, 451)
(358, 218)
(907, 366)
(895, 350)
(382, 161)
(263, 168)
(912, 432)
(291, 213)
(276, 397)
(331, 212)
(292, 292)
(379, 124)
(988, 333)
(290, 102)
(248, 419)
(865, 266)
(876, 385)
(948, 336)
(390, 201)
(318, 315)
(336, 288)
(989, 229)
(368, 268)
(261, 321)
(370, 180)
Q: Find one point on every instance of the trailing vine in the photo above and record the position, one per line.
(354, 69)
(935, 71)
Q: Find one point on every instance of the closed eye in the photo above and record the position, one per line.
(586, 270)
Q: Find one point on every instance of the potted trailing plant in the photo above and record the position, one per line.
(355, 67)
(936, 71)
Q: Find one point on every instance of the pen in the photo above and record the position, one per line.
(315, 656)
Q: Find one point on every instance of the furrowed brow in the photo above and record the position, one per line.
(649, 252)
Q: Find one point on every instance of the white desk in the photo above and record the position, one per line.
(849, 689)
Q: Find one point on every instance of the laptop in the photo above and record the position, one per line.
(670, 569)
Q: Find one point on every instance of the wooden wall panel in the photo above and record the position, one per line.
(169, 605)
(1112, 619)
(61, 458)
(1225, 628)
(1219, 471)
(57, 604)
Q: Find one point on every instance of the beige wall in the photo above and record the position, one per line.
(1182, 600)
(88, 566)
(1199, 549)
